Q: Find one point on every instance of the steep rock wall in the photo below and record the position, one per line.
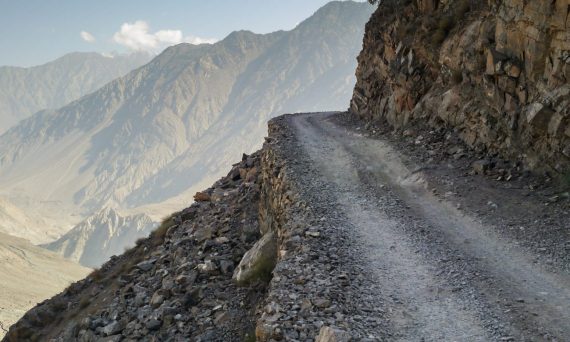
(495, 72)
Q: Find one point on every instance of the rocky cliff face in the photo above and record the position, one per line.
(494, 72)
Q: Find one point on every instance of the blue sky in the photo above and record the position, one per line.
(33, 32)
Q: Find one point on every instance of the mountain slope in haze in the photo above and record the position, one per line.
(18, 223)
(311, 68)
(24, 91)
(147, 141)
(30, 275)
(95, 240)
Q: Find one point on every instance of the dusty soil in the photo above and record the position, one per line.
(443, 254)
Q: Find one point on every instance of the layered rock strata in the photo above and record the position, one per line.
(495, 72)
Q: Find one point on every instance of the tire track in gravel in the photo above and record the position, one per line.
(510, 298)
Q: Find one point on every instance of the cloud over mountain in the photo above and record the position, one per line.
(137, 36)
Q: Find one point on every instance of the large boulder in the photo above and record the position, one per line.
(331, 334)
(258, 262)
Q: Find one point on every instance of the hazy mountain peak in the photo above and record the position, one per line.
(24, 91)
(173, 126)
(101, 236)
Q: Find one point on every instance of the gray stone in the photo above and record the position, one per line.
(153, 324)
(481, 166)
(258, 262)
(112, 328)
(146, 265)
(207, 267)
(226, 266)
(156, 300)
(331, 334)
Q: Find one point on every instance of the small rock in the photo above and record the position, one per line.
(146, 265)
(481, 166)
(156, 300)
(207, 267)
(202, 197)
(226, 266)
(322, 303)
(112, 328)
(153, 324)
(221, 240)
(312, 233)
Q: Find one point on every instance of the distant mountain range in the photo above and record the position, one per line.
(24, 91)
(30, 275)
(95, 240)
(146, 142)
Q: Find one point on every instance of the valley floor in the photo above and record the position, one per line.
(441, 254)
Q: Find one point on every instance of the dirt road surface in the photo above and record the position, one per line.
(439, 273)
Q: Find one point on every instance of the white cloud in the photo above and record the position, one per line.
(136, 36)
(197, 40)
(86, 36)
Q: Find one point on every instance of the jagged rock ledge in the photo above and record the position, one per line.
(249, 260)
(496, 73)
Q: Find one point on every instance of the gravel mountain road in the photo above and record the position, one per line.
(440, 274)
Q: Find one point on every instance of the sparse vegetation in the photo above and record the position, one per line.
(158, 235)
(96, 275)
(84, 302)
(59, 305)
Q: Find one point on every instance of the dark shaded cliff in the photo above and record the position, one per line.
(494, 72)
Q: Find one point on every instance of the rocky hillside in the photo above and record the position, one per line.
(99, 237)
(29, 275)
(176, 284)
(24, 91)
(494, 72)
(145, 143)
(245, 262)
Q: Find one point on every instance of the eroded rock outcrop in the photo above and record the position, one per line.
(496, 72)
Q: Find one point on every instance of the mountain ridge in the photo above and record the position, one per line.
(25, 91)
(155, 136)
